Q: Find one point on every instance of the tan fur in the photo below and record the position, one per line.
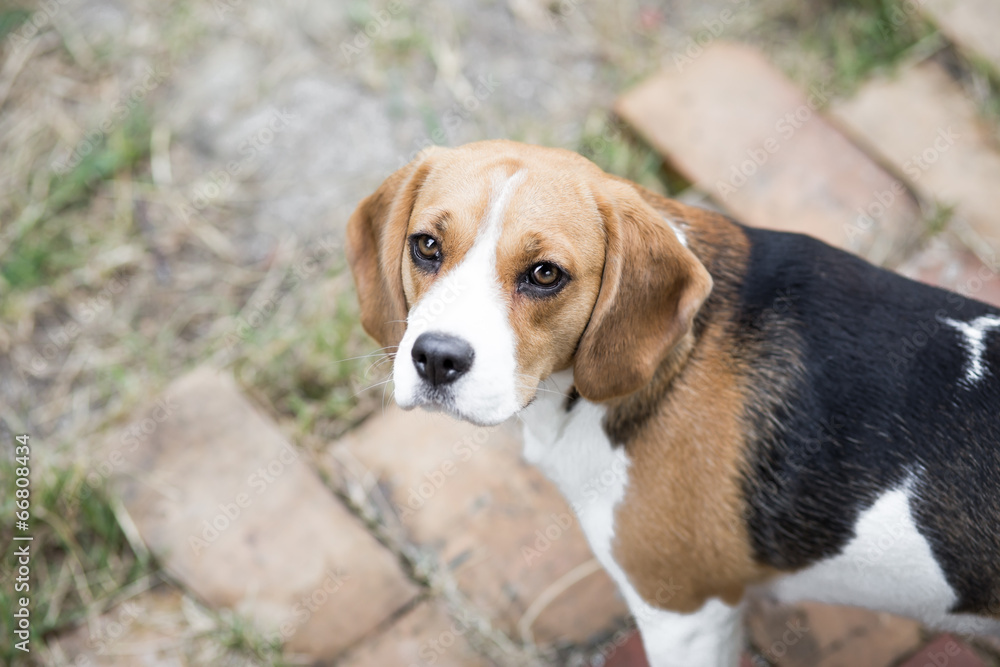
(651, 290)
(376, 239)
(560, 225)
(681, 521)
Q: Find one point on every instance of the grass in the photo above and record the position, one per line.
(395, 38)
(939, 218)
(313, 362)
(47, 244)
(982, 81)
(849, 39)
(237, 636)
(613, 147)
(11, 20)
(81, 558)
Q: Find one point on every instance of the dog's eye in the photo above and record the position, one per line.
(544, 274)
(426, 251)
(543, 280)
(427, 246)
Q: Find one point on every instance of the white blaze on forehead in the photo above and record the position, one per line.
(478, 268)
(974, 340)
(502, 193)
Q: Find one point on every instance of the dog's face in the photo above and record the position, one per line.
(495, 264)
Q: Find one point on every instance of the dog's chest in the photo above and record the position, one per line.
(572, 450)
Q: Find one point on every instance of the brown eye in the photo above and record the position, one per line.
(542, 280)
(544, 274)
(427, 246)
(426, 252)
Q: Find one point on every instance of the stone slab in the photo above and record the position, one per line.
(972, 24)
(816, 635)
(236, 515)
(946, 262)
(500, 528)
(626, 651)
(425, 635)
(738, 129)
(141, 630)
(921, 123)
(947, 651)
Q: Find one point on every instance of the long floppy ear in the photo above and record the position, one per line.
(376, 239)
(651, 290)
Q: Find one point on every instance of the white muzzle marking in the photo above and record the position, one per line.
(468, 303)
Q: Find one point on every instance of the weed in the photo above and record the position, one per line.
(323, 371)
(47, 244)
(850, 37)
(613, 147)
(11, 20)
(80, 555)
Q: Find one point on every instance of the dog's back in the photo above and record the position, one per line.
(896, 386)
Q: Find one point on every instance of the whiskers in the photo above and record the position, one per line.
(382, 356)
(539, 387)
(376, 366)
(381, 383)
(387, 351)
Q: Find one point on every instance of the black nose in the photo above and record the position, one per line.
(441, 359)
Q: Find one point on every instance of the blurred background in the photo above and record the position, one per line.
(218, 476)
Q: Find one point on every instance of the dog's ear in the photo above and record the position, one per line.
(651, 290)
(376, 240)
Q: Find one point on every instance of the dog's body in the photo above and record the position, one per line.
(725, 408)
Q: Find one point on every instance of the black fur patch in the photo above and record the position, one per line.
(875, 399)
(572, 398)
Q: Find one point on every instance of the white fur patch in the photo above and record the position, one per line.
(468, 303)
(678, 231)
(573, 451)
(974, 340)
(888, 566)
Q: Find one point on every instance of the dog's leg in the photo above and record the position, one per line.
(710, 637)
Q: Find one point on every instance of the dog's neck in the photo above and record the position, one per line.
(721, 246)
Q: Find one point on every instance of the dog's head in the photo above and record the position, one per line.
(488, 267)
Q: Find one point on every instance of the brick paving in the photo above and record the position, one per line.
(233, 512)
(972, 24)
(947, 262)
(735, 126)
(146, 624)
(628, 653)
(945, 651)
(496, 524)
(815, 635)
(426, 634)
(941, 144)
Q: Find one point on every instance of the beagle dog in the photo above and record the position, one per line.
(725, 408)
